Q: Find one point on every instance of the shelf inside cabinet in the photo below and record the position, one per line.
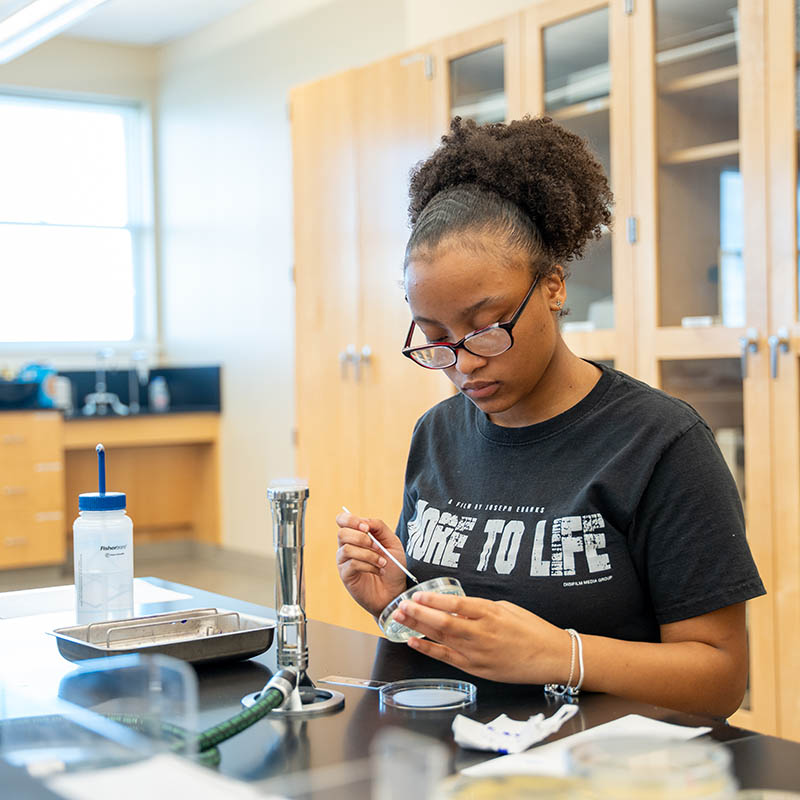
(598, 345)
(712, 44)
(700, 80)
(491, 108)
(703, 152)
(584, 109)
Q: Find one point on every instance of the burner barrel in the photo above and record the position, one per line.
(288, 503)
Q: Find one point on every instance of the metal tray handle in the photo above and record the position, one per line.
(126, 629)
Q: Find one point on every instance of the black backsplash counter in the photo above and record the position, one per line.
(190, 389)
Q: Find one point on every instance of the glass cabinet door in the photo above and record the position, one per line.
(478, 74)
(702, 274)
(477, 85)
(698, 89)
(577, 86)
(575, 65)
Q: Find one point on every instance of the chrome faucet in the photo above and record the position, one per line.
(100, 400)
(138, 375)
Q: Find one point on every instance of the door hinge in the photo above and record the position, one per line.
(629, 7)
(428, 61)
(295, 437)
(632, 227)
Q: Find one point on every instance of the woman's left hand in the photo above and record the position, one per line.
(490, 639)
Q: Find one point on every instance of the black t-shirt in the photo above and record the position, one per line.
(613, 517)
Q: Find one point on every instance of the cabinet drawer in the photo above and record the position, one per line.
(31, 539)
(36, 491)
(29, 438)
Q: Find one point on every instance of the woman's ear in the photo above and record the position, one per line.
(555, 289)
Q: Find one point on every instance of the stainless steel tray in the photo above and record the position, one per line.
(199, 635)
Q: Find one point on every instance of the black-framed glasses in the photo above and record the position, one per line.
(490, 341)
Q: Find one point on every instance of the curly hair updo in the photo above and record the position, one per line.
(531, 182)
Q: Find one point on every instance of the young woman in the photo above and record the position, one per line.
(580, 509)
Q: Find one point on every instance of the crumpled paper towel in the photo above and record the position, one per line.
(506, 735)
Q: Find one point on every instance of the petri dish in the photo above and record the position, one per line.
(628, 768)
(767, 794)
(396, 632)
(427, 694)
(508, 787)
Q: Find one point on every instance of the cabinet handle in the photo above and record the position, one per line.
(48, 466)
(48, 516)
(15, 541)
(748, 344)
(365, 358)
(12, 438)
(348, 356)
(11, 491)
(778, 341)
(351, 356)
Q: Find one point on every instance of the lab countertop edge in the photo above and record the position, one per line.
(138, 431)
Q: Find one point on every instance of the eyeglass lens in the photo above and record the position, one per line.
(490, 342)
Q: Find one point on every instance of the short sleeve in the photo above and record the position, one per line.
(405, 515)
(688, 534)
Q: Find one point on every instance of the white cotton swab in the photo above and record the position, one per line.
(345, 508)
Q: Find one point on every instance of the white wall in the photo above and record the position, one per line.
(429, 20)
(226, 199)
(82, 66)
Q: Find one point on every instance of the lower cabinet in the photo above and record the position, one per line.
(31, 489)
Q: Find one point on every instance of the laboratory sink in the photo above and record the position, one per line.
(188, 389)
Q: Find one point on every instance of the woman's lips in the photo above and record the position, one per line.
(480, 389)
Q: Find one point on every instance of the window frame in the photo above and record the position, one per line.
(139, 130)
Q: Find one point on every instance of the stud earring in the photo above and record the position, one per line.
(559, 303)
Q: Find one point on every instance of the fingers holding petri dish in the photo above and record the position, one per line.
(397, 632)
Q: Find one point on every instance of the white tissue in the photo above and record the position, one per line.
(506, 735)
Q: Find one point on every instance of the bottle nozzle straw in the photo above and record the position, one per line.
(101, 469)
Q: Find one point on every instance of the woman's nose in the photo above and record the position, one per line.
(467, 363)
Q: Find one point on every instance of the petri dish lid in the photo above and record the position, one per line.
(427, 694)
(396, 632)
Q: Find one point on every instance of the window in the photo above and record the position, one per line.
(75, 240)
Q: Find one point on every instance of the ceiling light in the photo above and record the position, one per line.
(38, 21)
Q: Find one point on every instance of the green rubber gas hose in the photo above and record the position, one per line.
(212, 736)
(202, 746)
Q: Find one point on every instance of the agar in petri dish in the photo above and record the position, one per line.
(508, 787)
(397, 632)
(427, 694)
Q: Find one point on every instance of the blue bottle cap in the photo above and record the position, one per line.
(108, 501)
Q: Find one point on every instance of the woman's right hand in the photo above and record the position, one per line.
(372, 580)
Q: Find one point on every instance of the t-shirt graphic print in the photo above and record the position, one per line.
(640, 526)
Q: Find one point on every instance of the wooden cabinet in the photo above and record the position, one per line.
(586, 88)
(357, 397)
(31, 489)
(168, 466)
(478, 74)
(692, 108)
(672, 97)
(700, 172)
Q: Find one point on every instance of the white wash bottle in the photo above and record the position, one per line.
(103, 552)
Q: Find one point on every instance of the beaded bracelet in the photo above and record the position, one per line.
(561, 689)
